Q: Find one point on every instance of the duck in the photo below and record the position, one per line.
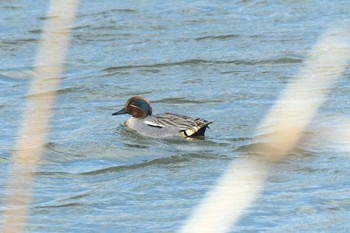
(161, 125)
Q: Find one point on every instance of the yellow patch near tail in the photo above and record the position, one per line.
(190, 132)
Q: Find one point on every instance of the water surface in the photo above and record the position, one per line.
(224, 61)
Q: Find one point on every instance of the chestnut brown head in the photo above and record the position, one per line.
(136, 106)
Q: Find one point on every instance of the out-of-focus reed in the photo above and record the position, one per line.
(37, 114)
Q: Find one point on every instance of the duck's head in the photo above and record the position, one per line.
(136, 106)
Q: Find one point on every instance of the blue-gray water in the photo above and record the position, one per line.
(224, 61)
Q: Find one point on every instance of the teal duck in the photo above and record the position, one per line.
(160, 125)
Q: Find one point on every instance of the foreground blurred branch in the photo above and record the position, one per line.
(278, 134)
(37, 113)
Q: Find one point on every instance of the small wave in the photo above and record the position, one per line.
(201, 62)
(16, 75)
(110, 11)
(175, 159)
(19, 41)
(165, 64)
(185, 101)
(36, 31)
(69, 90)
(158, 161)
(65, 205)
(220, 37)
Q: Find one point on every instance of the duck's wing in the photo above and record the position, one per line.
(188, 126)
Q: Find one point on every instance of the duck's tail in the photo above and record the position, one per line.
(198, 130)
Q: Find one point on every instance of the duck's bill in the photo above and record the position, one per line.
(122, 111)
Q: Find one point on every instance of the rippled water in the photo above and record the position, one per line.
(224, 61)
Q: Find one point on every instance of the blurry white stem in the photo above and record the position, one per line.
(241, 184)
(37, 113)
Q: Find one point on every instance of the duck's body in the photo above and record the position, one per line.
(160, 125)
(168, 125)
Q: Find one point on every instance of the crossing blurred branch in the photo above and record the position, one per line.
(37, 114)
(278, 134)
